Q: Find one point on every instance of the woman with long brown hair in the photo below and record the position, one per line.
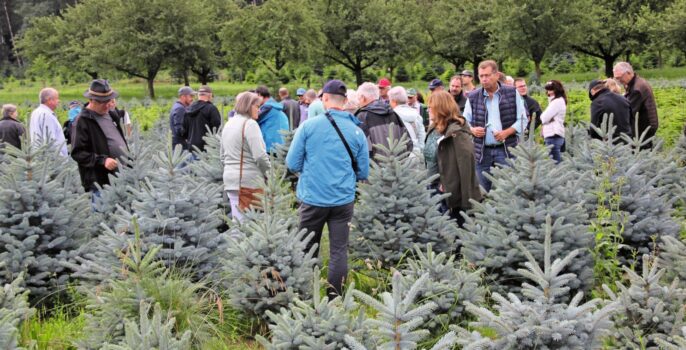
(454, 154)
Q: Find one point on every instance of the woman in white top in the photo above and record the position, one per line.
(553, 119)
(242, 134)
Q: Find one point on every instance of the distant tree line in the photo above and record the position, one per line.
(140, 38)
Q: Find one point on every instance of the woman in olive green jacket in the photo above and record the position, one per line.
(456, 164)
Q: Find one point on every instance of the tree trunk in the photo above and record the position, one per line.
(93, 75)
(186, 80)
(151, 87)
(609, 62)
(9, 27)
(358, 75)
(537, 65)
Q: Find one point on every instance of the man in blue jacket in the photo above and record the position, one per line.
(328, 176)
(271, 119)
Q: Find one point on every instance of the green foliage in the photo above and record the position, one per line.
(266, 264)
(14, 309)
(540, 320)
(672, 257)
(152, 333)
(316, 325)
(647, 309)
(142, 278)
(54, 329)
(43, 219)
(448, 285)
(515, 211)
(607, 224)
(396, 210)
(398, 322)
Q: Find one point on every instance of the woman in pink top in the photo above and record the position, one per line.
(553, 119)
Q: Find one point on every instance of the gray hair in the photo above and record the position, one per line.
(8, 110)
(369, 91)
(283, 91)
(398, 94)
(624, 67)
(245, 101)
(47, 93)
(311, 95)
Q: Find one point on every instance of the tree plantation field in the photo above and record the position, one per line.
(589, 253)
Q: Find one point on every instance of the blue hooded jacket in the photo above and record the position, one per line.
(327, 178)
(272, 119)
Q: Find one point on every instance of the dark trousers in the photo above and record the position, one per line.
(338, 220)
(491, 156)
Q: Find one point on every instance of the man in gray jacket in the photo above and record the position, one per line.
(378, 119)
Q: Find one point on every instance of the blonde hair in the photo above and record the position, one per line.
(613, 86)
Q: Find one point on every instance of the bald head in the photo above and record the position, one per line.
(283, 93)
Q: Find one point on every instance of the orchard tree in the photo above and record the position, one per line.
(454, 36)
(610, 29)
(358, 34)
(533, 28)
(275, 33)
(674, 18)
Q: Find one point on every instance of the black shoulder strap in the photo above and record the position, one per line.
(345, 143)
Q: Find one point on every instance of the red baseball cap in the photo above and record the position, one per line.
(384, 82)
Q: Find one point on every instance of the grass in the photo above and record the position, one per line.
(54, 332)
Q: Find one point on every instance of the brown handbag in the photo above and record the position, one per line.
(247, 197)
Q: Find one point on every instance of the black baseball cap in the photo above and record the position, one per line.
(335, 87)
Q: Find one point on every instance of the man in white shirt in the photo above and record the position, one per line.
(44, 126)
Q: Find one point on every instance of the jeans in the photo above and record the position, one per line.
(95, 199)
(338, 220)
(491, 156)
(557, 142)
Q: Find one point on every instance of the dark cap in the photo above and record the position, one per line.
(594, 83)
(186, 90)
(467, 72)
(100, 90)
(435, 83)
(205, 90)
(74, 103)
(335, 87)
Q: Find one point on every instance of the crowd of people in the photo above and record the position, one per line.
(460, 134)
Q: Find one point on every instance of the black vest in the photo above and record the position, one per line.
(508, 114)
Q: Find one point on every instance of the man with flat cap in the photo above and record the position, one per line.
(98, 141)
(177, 113)
(467, 81)
(330, 153)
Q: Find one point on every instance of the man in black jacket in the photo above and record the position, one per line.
(606, 103)
(378, 119)
(98, 140)
(200, 115)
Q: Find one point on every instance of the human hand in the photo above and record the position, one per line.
(111, 164)
(478, 131)
(501, 135)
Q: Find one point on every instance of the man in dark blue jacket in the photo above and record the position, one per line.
(177, 113)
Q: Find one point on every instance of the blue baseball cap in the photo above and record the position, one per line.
(435, 83)
(300, 92)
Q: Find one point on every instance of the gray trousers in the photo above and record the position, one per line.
(338, 220)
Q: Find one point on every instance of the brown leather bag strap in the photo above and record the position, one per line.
(240, 174)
